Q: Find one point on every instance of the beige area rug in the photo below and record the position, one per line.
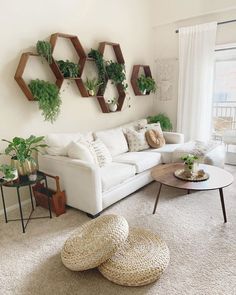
(202, 247)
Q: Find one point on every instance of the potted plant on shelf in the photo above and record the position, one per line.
(146, 85)
(190, 164)
(21, 152)
(100, 64)
(113, 104)
(44, 49)
(116, 72)
(92, 86)
(9, 173)
(164, 121)
(48, 97)
(68, 68)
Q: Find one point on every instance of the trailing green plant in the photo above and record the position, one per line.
(48, 97)
(21, 149)
(189, 160)
(116, 72)
(164, 121)
(92, 85)
(146, 84)
(44, 49)
(68, 68)
(100, 64)
(8, 171)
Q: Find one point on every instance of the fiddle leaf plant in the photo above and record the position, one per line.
(44, 49)
(68, 68)
(48, 97)
(116, 72)
(146, 84)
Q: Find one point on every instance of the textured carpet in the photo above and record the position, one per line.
(202, 247)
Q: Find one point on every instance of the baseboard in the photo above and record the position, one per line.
(15, 206)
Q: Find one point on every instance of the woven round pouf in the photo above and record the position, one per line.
(140, 261)
(94, 242)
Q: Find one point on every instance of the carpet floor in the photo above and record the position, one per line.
(202, 247)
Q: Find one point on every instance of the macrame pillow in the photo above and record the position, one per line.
(155, 139)
(100, 152)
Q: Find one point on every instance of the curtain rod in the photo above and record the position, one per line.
(219, 23)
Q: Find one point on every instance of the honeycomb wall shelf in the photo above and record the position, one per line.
(21, 68)
(135, 76)
(121, 93)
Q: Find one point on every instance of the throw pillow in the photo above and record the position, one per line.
(154, 138)
(154, 126)
(100, 151)
(136, 140)
(80, 150)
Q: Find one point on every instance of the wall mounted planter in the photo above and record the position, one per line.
(135, 76)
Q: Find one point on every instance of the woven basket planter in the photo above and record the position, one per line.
(140, 261)
(94, 242)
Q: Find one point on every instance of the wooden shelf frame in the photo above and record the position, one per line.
(21, 68)
(121, 92)
(135, 76)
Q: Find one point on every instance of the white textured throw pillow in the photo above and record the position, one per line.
(80, 150)
(136, 140)
(154, 126)
(100, 151)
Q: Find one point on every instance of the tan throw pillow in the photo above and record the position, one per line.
(155, 139)
(136, 140)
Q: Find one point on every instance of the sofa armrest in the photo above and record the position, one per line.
(81, 181)
(173, 137)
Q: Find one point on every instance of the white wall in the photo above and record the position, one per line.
(166, 46)
(24, 22)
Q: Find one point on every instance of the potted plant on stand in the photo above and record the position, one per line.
(146, 85)
(113, 104)
(9, 173)
(21, 152)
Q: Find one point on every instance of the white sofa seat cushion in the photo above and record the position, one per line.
(114, 174)
(141, 160)
(114, 139)
(166, 152)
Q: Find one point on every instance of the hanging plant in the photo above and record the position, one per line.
(146, 84)
(48, 97)
(44, 49)
(68, 68)
(116, 72)
(100, 64)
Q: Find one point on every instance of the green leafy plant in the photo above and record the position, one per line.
(21, 149)
(92, 86)
(164, 121)
(100, 64)
(116, 72)
(8, 171)
(113, 100)
(48, 98)
(189, 160)
(68, 68)
(146, 84)
(44, 49)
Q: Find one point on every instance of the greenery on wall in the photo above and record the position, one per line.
(146, 84)
(48, 97)
(92, 86)
(116, 72)
(165, 122)
(68, 68)
(44, 49)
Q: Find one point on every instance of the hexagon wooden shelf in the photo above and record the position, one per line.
(120, 59)
(135, 76)
(81, 55)
(20, 71)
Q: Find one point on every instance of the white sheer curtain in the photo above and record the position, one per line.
(196, 65)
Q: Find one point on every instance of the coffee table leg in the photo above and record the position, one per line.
(157, 198)
(223, 204)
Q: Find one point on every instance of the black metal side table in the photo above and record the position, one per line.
(17, 185)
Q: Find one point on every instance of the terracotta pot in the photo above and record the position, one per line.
(23, 169)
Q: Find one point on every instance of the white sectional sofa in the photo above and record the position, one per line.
(91, 188)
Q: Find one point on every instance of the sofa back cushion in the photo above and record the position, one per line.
(114, 139)
(136, 140)
(79, 150)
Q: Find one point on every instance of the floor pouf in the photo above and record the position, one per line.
(140, 261)
(94, 242)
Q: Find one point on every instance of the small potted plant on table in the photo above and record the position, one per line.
(190, 164)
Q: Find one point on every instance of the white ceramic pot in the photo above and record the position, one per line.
(32, 177)
(144, 91)
(91, 92)
(113, 107)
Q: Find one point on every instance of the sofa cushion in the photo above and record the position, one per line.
(115, 173)
(114, 139)
(79, 150)
(141, 160)
(154, 138)
(136, 140)
(166, 152)
(100, 152)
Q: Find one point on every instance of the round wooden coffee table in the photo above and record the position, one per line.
(219, 178)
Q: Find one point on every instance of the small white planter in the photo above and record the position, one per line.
(113, 107)
(32, 177)
(91, 92)
(144, 92)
